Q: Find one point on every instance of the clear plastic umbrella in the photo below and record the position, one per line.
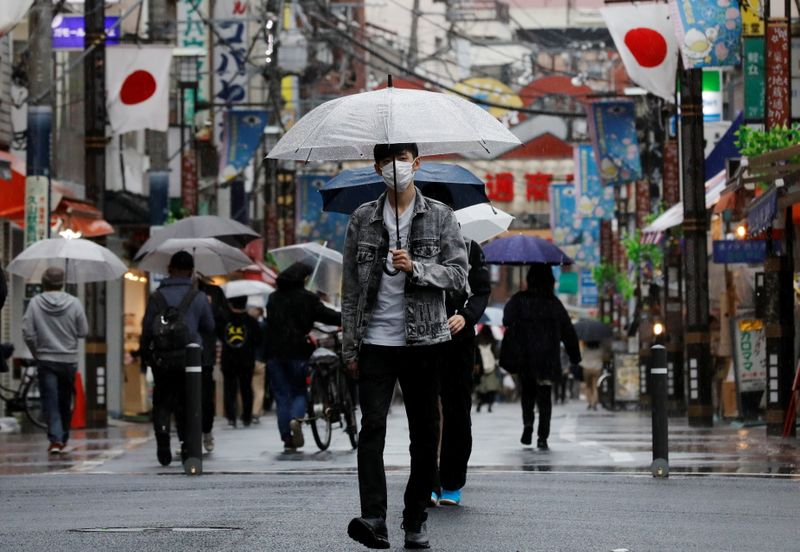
(82, 260)
(247, 288)
(482, 222)
(325, 263)
(211, 256)
(226, 230)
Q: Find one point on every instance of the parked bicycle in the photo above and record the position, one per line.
(25, 398)
(331, 392)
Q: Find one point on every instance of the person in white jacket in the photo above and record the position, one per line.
(53, 323)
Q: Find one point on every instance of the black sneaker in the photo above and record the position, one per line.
(542, 444)
(416, 535)
(163, 451)
(371, 532)
(527, 435)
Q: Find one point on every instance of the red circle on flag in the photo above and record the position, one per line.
(137, 87)
(647, 45)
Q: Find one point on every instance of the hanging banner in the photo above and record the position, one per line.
(754, 80)
(777, 64)
(709, 32)
(594, 199)
(671, 182)
(612, 128)
(562, 214)
(752, 17)
(312, 223)
(158, 198)
(606, 242)
(241, 135)
(189, 181)
(642, 202)
(229, 57)
(192, 33)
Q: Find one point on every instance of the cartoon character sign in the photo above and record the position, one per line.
(612, 127)
(709, 32)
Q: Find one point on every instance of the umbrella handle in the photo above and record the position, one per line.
(394, 271)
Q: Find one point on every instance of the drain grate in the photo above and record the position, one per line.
(154, 529)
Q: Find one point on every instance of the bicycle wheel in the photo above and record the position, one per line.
(319, 408)
(349, 411)
(32, 400)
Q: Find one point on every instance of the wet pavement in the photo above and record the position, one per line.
(580, 441)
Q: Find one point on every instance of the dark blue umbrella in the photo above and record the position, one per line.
(353, 187)
(524, 250)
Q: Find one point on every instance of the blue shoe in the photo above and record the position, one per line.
(434, 499)
(450, 498)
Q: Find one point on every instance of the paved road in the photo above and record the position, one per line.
(528, 511)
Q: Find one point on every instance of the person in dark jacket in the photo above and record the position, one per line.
(168, 391)
(291, 313)
(541, 322)
(219, 309)
(240, 336)
(464, 308)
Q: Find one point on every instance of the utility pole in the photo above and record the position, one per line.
(40, 122)
(94, 75)
(695, 258)
(161, 29)
(413, 39)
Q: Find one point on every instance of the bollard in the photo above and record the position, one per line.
(193, 429)
(658, 385)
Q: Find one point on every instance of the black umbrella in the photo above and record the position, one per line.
(592, 330)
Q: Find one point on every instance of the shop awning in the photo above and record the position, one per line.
(674, 215)
(80, 216)
(761, 212)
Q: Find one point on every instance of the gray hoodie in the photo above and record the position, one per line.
(52, 325)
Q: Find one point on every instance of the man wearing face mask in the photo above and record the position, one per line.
(393, 317)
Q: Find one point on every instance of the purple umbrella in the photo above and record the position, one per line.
(524, 250)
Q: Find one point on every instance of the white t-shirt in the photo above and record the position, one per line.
(387, 325)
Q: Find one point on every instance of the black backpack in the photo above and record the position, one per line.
(170, 333)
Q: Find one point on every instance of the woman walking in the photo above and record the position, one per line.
(592, 363)
(537, 323)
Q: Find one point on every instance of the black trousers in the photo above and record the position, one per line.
(455, 392)
(168, 399)
(379, 369)
(208, 398)
(539, 395)
(238, 379)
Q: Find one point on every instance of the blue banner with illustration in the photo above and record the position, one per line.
(709, 32)
(241, 136)
(312, 223)
(578, 236)
(612, 128)
(594, 199)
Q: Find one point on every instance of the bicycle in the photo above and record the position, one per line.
(331, 394)
(26, 397)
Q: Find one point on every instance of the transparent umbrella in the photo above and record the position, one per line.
(211, 256)
(483, 222)
(326, 265)
(226, 230)
(82, 260)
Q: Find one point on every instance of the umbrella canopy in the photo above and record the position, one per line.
(325, 263)
(483, 222)
(349, 127)
(492, 316)
(592, 330)
(82, 260)
(354, 187)
(248, 288)
(225, 230)
(524, 250)
(211, 256)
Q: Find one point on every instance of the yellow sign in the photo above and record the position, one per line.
(752, 17)
(493, 91)
(751, 325)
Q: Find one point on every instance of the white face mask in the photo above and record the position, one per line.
(405, 175)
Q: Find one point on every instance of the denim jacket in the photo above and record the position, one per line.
(438, 254)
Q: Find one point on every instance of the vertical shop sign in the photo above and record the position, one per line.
(37, 182)
(642, 202)
(778, 80)
(189, 181)
(751, 355)
(672, 183)
(754, 82)
(192, 33)
(752, 17)
(230, 54)
(606, 253)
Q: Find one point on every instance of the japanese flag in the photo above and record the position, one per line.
(11, 13)
(645, 39)
(137, 87)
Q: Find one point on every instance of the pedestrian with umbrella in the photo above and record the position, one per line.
(536, 324)
(465, 307)
(177, 314)
(401, 252)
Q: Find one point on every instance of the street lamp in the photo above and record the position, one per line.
(187, 62)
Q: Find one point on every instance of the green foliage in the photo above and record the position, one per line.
(752, 142)
(611, 280)
(176, 214)
(640, 254)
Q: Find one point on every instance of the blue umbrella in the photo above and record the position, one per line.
(524, 250)
(353, 187)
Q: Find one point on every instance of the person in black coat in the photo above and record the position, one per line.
(241, 338)
(540, 322)
(291, 313)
